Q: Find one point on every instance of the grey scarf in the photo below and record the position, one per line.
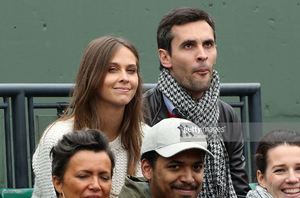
(205, 113)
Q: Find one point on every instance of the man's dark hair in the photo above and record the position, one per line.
(151, 157)
(179, 16)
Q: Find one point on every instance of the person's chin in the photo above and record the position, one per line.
(124, 99)
(185, 193)
(203, 81)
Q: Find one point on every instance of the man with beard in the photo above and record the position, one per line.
(172, 161)
(188, 87)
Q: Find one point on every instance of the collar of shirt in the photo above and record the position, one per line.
(168, 104)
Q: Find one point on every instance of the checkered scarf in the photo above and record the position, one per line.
(205, 113)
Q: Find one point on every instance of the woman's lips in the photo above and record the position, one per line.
(122, 90)
(291, 190)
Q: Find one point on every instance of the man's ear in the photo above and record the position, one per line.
(146, 169)
(164, 58)
(58, 184)
(260, 179)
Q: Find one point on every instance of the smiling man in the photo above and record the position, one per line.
(188, 87)
(172, 163)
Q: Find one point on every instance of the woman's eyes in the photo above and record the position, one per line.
(102, 177)
(297, 169)
(112, 69)
(82, 176)
(283, 170)
(128, 70)
(280, 170)
(105, 177)
(132, 70)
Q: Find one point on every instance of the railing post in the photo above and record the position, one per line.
(8, 144)
(255, 119)
(31, 132)
(30, 112)
(20, 144)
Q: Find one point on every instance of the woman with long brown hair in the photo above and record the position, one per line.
(107, 96)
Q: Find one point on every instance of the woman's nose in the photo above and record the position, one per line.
(124, 76)
(293, 177)
(95, 185)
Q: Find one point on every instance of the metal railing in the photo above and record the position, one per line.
(18, 106)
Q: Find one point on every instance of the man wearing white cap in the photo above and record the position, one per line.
(172, 163)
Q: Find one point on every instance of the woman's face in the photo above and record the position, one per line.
(88, 174)
(282, 176)
(121, 80)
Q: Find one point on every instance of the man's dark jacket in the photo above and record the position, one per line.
(156, 110)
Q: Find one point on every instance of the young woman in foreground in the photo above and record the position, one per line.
(107, 96)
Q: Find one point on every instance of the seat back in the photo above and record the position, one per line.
(15, 192)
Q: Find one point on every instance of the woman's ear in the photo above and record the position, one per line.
(58, 184)
(164, 58)
(260, 179)
(146, 169)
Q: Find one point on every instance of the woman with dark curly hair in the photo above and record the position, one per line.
(82, 165)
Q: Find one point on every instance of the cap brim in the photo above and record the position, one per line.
(171, 150)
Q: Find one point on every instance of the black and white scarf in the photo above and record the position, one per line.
(205, 113)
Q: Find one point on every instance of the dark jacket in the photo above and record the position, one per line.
(135, 187)
(156, 110)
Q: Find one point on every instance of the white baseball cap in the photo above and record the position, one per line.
(173, 135)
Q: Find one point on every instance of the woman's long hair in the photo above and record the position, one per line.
(93, 68)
